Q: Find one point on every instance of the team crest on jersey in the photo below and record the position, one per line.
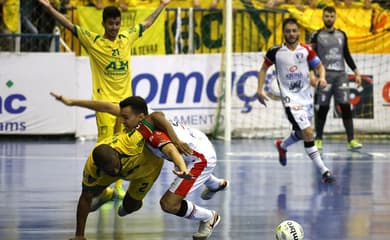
(293, 68)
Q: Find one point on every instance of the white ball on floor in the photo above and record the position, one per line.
(289, 230)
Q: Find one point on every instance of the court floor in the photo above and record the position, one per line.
(40, 182)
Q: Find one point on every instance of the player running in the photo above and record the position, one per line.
(293, 61)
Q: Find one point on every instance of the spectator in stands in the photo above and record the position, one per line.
(299, 4)
(349, 3)
(9, 23)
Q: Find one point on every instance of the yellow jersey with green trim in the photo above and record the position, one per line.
(110, 62)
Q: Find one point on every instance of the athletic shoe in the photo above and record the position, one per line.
(328, 177)
(120, 192)
(206, 228)
(97, 202)
(354, 144)
(121, 211)
(282, 152)
(318, 143)
(208, 194)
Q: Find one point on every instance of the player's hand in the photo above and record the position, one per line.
(123, 6)
(183, 148)
(262, 98)
(183, 174)
(358, 80)
(321, 83)
(62, 99)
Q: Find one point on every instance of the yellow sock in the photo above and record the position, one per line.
(118, 184)
(107, 194)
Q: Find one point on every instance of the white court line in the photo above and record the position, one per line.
(298, 161)
(272, 154)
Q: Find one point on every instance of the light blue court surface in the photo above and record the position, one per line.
(40, 182)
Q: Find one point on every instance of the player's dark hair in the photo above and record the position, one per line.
(103, 155)
(137, 104)
(329, 9)
(111, 12)
(289, 20)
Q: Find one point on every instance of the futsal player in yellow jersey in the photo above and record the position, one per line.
(109, 56)
(122, 156)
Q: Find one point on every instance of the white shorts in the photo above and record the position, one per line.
(201, 166)
(300, 116)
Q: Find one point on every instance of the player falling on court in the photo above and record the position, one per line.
(293, 62)
(331, 45)
(109, 56)
(200, 161)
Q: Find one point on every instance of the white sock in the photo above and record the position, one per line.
(213, 182)
(315, 156)
(198, 213)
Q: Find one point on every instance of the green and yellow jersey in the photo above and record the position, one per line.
(110, 62)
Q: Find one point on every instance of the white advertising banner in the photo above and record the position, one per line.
(85, 118)
(25, 82)
(184, 87)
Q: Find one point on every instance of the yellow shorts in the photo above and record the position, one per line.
(141, 179)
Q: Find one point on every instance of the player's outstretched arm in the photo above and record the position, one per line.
(159, 121)
(149, 20)
(57, 15)
(171, 151)
(98, 106)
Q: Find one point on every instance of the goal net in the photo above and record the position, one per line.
(255, 30)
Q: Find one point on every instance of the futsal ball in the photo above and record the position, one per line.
(289, 230)
(271, 86)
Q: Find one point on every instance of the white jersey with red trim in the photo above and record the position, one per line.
(200, 164)
(196, 139)
(292, 71)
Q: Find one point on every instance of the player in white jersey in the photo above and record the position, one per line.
(199, 162)
(293, 62)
